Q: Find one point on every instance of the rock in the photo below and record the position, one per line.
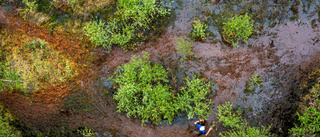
(3, 19)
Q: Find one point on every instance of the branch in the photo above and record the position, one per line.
(11, 80)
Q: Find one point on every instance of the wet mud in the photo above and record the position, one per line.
(281, 55)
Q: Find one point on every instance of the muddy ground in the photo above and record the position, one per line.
(282, 55)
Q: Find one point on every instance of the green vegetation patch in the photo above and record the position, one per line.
(7, 130)
(132, 19)
(143, 93)
(30, 8)
(183, 46)
(253, 83)
(35, 63)
(238, 28)
(309, 109)
(198, 30)
(239, 127)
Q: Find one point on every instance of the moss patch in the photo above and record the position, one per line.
(37, 63)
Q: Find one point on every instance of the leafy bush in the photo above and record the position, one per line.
(310, 119)
(111, 33)
(184, 48)
(198, 30)
(132, 18)
(143, 93)
(31, 8)
(192, 98)
(239, 127)
(239, 27)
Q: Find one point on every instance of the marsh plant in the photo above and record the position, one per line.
(237, 126)
(238, 28)
(254, 81)
(198, 30)
(132, 18)
(183, 46)
(143, 92)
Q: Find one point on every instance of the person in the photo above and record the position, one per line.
(201, 127)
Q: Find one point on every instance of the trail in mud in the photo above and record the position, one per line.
(281, 56)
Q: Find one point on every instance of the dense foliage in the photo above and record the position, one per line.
(239, 27)
(131, 19)
(310, 118)
(143, 93)
(239, 126)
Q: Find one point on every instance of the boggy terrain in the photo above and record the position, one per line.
(283, 50)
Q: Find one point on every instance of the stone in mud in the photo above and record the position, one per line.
(3, 19)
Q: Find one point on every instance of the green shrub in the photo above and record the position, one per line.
(184, 48)
(131, 19)
(31, 8)
(310, 119)
(192, 99)
(198, 30)
(143, 93)
(239, 27)
(239, 126)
